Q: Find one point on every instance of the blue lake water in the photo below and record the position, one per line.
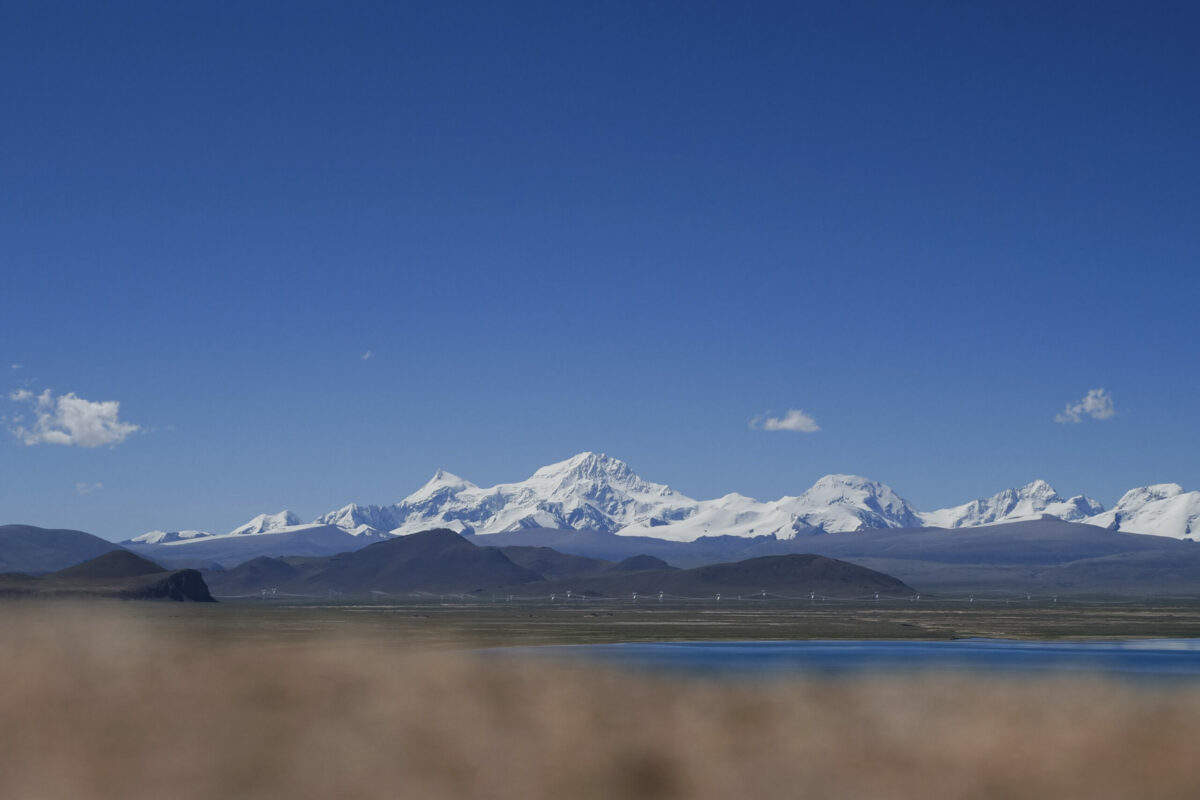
(1142, 657)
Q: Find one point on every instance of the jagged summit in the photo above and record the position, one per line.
(586, 466)
(442, 482)
(885, 508)
(1031, 501)
(265, 523)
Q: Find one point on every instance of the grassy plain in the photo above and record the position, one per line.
(276, 700)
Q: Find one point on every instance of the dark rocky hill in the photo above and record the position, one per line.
(117, 575)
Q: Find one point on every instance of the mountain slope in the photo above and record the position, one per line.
(430, 561)
(232, 549)
(594, 492)
(587, 491)
(33, 550)
(113, 565)
(166, 537)
(1164, 508)
(1029, 502)
(117, 574)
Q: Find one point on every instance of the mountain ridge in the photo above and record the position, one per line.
(593, 491)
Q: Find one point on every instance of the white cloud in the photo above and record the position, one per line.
(16, 366)
(794, 420)
(367, 356)
(88, 488)
(1097, 404)
(71, 420)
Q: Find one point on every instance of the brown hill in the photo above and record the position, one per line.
(112, 565)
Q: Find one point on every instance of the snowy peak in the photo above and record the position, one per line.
(853, 490)
(1031, 501)
(360, 519)
(586, 467)
(1137, 498)
(442, 484)
(164, 537)
(834, 504)
(839, 503)
(1038, 489)
(266, 523)
(588, 490)
(1164, 509)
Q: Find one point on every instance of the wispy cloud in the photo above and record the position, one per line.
(88, 488)
(367, 356)
(16, 366)
(1097, 404)
(794, 420)
(71, 420)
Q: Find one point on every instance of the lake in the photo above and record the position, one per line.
(1141, 657)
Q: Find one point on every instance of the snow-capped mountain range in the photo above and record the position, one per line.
(597, 492)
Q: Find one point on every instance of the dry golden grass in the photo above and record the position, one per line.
(99, 705)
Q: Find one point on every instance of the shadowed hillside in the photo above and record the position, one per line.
(443, 561)
(113, 565)
(117, 574)
(33, 551)
(1038, 556)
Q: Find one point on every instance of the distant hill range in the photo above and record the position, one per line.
(595, 493)
(1045, 556)
(117, 574)
(444, 561)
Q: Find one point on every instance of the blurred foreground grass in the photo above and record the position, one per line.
(109, 702)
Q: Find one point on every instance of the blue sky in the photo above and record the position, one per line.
(623, 227)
